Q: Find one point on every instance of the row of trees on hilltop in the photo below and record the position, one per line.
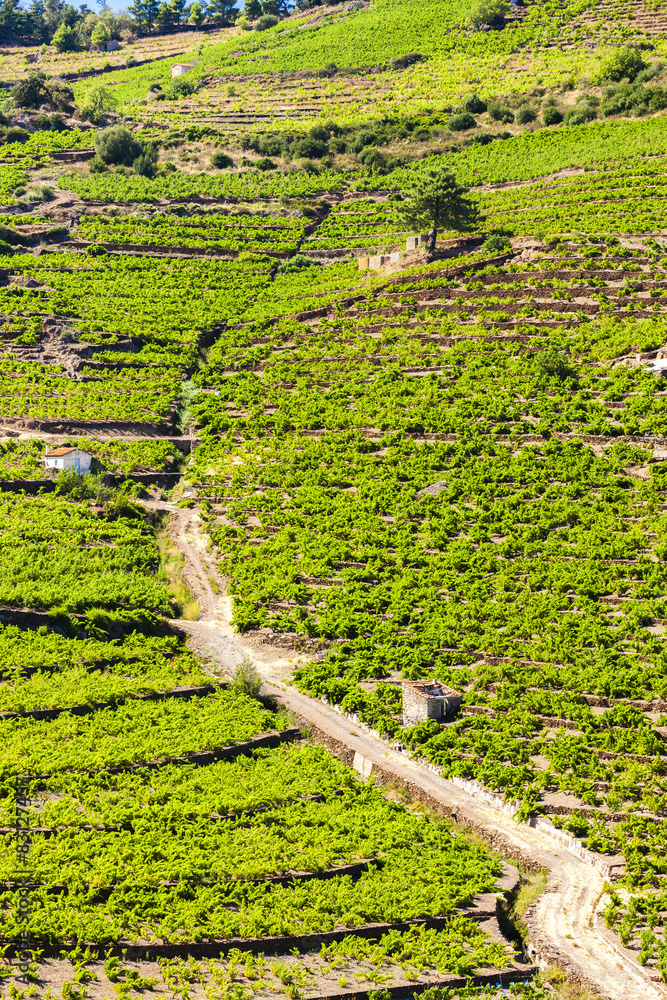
(58, 23)
(42, 19)
(149, 16)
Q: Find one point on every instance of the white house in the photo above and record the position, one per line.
(178, 69)
(68, 458)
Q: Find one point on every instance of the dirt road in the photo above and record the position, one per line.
(562, 920)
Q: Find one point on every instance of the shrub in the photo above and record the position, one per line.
(56, 233)
(462, 122)
(318, 132)
(653, 69)
(402, 62)
(299, 262)
(145, 164)
(64, 39)
(474, 105)
(97, 166)
(496, 243)
(524, 114)
(372, 158)
(585, 110)
(552, 363)
(117, 145)
(68, 482)
(180, 87)
(220, 161)
(634, 97)
(271, 145)
(16, 134)
(616, 100)
(57, 123)
(551, 116)
(265, 164)
(96, 103)
(14, 239)
(311, 148)
(657, 98)
(266, 21)
(243, 23)
(500, 112)
(309, 167)
(337, 144)
(40, 192)
(363, 139)
(491, 13)
(60, 96)
(30, 93)
(246, 678)
(624, 63)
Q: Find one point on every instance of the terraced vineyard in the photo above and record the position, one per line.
(325, 464)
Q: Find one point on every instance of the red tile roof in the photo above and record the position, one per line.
(59, 451)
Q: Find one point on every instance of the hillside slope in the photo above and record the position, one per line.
(398, 464)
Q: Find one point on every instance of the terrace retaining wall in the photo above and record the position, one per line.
(182, 694)
(200, 758)
(165, 480)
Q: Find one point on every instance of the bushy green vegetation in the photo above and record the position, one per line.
(449, 466)
(293, 791)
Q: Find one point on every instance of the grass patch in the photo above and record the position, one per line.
(564, 987)
(532, 885)
(170, 573)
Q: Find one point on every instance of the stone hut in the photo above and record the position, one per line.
(428, 699)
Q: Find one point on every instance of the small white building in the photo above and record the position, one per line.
(68, 458)
(178, 69)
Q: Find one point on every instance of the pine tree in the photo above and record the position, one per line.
(144, 14)
(220, 10)
(434, 198)
(179, 10)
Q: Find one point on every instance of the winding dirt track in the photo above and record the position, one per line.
(564, 915)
